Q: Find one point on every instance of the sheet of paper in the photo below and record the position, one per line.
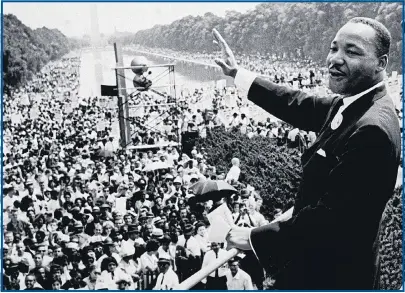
(221, 222)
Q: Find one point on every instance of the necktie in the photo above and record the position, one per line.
(163, 277)
(216, 272)
(337, 120)
(185, 244)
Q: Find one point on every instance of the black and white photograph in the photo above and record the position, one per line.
(202, 146)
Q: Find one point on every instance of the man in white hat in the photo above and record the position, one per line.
(157, 234)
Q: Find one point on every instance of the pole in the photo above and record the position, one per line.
(123, 110)
(206, 271)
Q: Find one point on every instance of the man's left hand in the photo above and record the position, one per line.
(238, 237)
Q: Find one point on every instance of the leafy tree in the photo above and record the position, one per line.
(297, 30)
(26, 51)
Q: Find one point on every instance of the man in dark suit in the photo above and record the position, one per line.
(349, 173)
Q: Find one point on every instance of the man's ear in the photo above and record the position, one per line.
(382, 63)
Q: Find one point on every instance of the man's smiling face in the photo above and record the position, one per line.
(352, 60)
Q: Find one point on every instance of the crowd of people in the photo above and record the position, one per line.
(303, 72)
(299, 74)
(79, 212)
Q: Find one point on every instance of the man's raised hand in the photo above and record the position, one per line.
(227, 62)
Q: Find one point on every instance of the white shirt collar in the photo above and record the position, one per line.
(347, 101)
(237, 275)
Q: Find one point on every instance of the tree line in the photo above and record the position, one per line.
(290, 30)
(26, 51)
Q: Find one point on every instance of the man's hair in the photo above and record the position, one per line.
(30, 275)
(152, 245)
(383, 36)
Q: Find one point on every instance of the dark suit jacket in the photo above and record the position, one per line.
(329, 241)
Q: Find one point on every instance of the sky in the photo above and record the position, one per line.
(73, 19)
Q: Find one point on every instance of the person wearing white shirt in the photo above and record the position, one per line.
(164, 250)
(234, 172)
(167, 279)
(110, 246)
(201, 236)
(190, 244)
(244, 121)
(234, 121)
(127, 264)
(10, 198)
(237, 279)
(217, 279)
(192, 252)
(148, 259)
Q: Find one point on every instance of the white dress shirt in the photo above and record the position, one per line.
(202, 241)
(241, 281)
(192, 245)
(210, 257)
(150, 261)
(167, 281)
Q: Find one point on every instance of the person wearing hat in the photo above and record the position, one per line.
(194, 178)
(157, 234)
(79, 232)
(177, 182)
(128, 264)
(167, 278)
(106, 212)
(237, 279)
(158, 222)
(150, 217)
(192, 251)
(124, 282)
(132, 234)
(109, 250)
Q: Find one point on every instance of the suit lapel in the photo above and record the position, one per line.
(329, 139)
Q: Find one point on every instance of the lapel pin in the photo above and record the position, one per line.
(337, 120)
